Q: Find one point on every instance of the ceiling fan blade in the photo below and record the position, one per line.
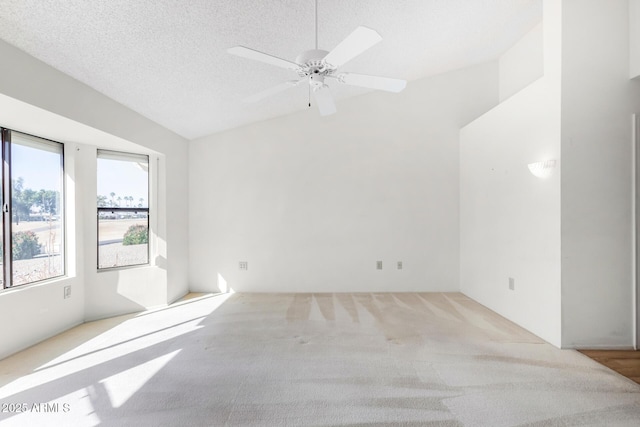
(361, 39)
(272, 91)
(372, 82)
(323, 97)
(245, 52)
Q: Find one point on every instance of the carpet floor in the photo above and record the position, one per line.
(406, 359)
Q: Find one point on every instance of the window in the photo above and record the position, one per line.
(32, 198)
(123, 209)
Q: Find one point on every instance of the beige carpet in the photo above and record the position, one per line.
(321, 359)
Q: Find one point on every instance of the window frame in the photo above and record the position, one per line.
(6, 208)
(114, 210)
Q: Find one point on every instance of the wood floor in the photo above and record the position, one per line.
(625, 363)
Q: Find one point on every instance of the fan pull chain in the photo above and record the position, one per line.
(309, 96)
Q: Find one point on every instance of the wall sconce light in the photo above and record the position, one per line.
(542, 169)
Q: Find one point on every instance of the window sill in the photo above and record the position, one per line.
(124, 267)
(46, 282)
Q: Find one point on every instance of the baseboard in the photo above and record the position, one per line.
(179, 297)
(115, 314)
(599, 347)
(49, 336)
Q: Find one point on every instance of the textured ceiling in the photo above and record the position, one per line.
(167, 59)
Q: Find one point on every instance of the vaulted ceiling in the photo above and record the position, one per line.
(167, 59)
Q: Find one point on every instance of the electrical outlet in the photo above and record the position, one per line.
(243, 265)
(512, 283)
(399, 265)
(67, 292)
(379, 265)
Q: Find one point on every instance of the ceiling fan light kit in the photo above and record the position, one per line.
(315, 66)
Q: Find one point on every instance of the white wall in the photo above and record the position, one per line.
(509, 219)
(311, 203)
(634, 39)
(598, 100)
(522, 64)
(37, 99)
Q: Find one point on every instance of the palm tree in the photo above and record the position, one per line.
(119, 199)
(112, 196)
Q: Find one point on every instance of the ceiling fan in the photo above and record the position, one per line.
(314, 66)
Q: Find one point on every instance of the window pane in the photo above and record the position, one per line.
(123, 233)
(36, 209)
(123, 239)
(122, 183)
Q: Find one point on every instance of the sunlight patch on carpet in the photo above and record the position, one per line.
(121, 386)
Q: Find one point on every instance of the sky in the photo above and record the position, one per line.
(41, 170)
(123, 178)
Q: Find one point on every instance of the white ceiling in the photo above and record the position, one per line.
(167, 59)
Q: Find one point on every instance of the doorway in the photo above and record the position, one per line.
(636, 231)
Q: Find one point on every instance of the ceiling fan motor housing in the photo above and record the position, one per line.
(312, 62)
